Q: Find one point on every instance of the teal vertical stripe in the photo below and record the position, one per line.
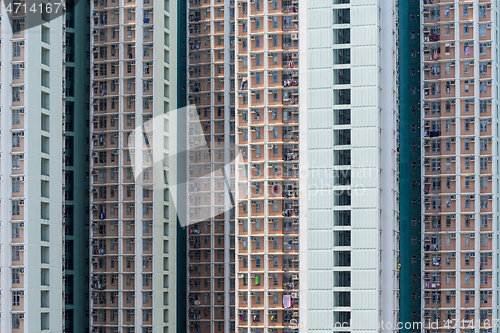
(409, 97)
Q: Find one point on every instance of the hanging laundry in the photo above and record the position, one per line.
(257, 280)
(287, 301)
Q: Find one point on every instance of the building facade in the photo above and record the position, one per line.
(133, 137)
(459, 73)
(409, 185)
(349, 165)
(211, 166)
(267, 173)
(32, 172)
(77, 162)
(315, 234)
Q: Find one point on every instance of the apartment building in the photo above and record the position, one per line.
(245, 62)
(409, 185)
(32, 172)
(459, 73)
(133, 135)
(349, 222)
(77, 161)
(267, 192)
(211, 152)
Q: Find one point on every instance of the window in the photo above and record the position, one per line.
(467, 297)
(483, 68)
(436, 202)
(482, 11)
(16, 185)
(16, 26)
(483, 181)
(484, 221)
(436, 146)
(16, 49)
(16, 71)
(16, 321)
(483, 163)
(483, 48)
(447, 30)
(16, 207)
(483, 144)
(16, 94)
(447, 68)
(436, 164)
(16, 253)
(467, 122)
(467, 144)
(484, 201)
(467, 204)
(434, 14)
(483, 30)
(483, 125)
(466, 29)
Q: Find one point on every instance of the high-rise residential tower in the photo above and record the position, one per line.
(210, 158)
(349, 155)
(77, 162)
(409, 170)
(312, 89)
(459, 72)
(267, 173)
(32, 170)
(133, 141)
